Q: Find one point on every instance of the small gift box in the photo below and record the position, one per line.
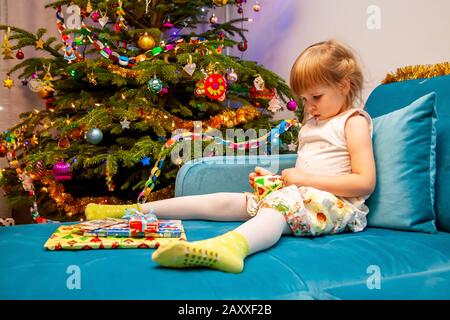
(263, 185)
(141, 222)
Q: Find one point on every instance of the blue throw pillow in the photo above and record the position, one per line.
(404, 144)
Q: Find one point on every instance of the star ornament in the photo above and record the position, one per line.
(292, 147)
(145, 161)
(40, 44)
(8, 83)
(125, 124)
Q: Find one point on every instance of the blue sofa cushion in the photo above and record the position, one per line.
(411, 265)
(226, 174)
(404, 147)
(390, 97)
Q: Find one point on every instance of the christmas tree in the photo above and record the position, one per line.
(123, 76)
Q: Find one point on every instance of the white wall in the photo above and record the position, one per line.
(412, 32)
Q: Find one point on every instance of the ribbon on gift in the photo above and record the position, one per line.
(141, 222)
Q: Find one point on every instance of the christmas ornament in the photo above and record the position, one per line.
(168, 24)
(259, 83)
(240, 10)
(257, 7)
(213, 19)
(200, 88)
(292, 105)
(34, 140)
(3, 150)
(243, 46)
(25, 82)
(215, 86)
(220, 3)
(190, 67)
(94, 136)
(61, 171)
(89, 7)
(292, 146)
(40, 44)
(7, 51)
(155, 85)
(8, 83)
(20, 55)
(232, 77)
(274, 104)
(163, 91)
(91, 78)
(125, 124)
(104, 19)
(145, 161)
(69, 54)
(35, 85)
(120, 21)
(146, 42)
(95, 16)
(49, 104)
(63, 143)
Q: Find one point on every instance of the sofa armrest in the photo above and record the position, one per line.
(226, 174)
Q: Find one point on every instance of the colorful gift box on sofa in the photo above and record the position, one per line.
(404, 253)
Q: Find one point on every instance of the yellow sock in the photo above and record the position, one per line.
(95, 211)
(225, 253)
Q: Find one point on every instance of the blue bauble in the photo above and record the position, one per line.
(155, 85)
(94, 136)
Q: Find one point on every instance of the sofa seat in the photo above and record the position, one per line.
(412, 266)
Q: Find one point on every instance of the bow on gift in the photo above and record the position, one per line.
(141, 222)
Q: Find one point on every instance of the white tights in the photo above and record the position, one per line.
(261, 231)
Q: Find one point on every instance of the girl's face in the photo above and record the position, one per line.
(323, 102)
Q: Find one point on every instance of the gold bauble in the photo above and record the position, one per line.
(46, 92)
(146, 42)
(220, 3)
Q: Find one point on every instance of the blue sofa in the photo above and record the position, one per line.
(373, 264)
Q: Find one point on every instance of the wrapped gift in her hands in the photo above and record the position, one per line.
(263, 185)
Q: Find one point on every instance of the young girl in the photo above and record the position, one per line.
(323, 194)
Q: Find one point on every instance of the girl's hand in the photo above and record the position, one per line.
(258, 172)
(294, 176)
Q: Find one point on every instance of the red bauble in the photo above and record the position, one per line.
(215, 86)
(20, 55)
(3, 150)
(49, 104)
(243, 46)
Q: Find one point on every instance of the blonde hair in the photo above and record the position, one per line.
(327, 63)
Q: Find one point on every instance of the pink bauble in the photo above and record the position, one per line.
(292, 105)
(61, 171)
(95, 16)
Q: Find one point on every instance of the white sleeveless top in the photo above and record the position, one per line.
(323, 149)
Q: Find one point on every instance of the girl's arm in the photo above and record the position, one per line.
(361, 181)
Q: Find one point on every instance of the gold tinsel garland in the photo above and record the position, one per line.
(418, 72)
(227, 118)
(76, 206)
